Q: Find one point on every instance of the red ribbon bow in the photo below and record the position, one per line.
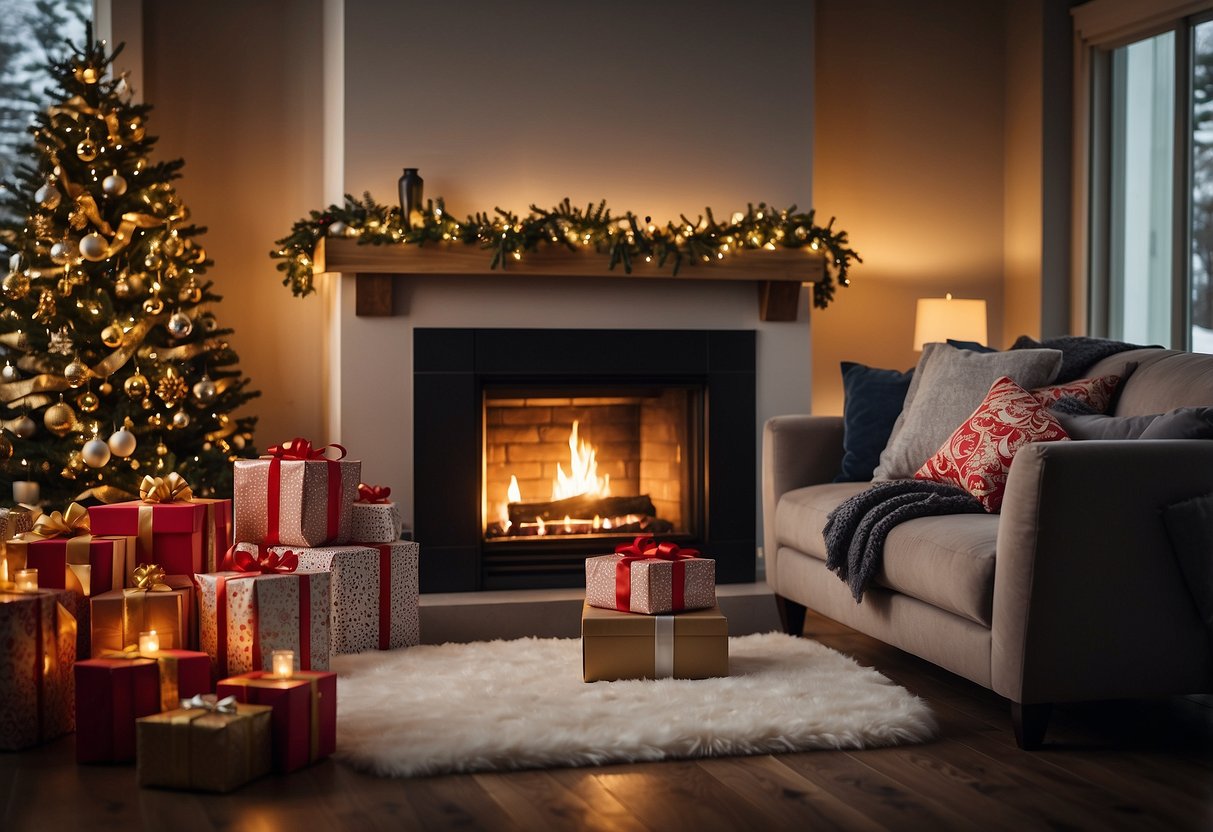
(373, 493)
(265, 563)
(645, 547)
(300, 448)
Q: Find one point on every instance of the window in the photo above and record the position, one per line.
(32, 32)
(1146, 109)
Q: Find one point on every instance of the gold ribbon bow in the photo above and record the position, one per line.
(170, 489)
(149, 577)
(71, 523)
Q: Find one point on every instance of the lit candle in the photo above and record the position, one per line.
(26, 580)
(26, 491)
(149, 642)
(283, 664)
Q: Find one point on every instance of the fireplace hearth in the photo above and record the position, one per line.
(537, 448)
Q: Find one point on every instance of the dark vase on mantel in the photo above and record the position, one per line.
(410, 197)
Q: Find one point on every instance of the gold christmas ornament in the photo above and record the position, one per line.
(15, 285)
(181, 419)
(172, 245)
(63, 250)
(112, 336)
(172, 388)
(87, 150)
(153, 305)
(136, 386)
(48, 196)
(76, 373)
(59, 418)
(205, 390)
(88, 401)
(161, 449)
(106, 388)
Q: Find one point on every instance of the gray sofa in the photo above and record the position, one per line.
(1074, 592)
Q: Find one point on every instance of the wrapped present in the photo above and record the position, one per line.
(374, 517)
(650, 578)
(164, 603)
(167, 524)
(110, 695)
(305, 712)
(37, 651)
(67, 555)
(620, 645)
(216, 532)
(14, 522)
(263, 605)
(209, 744)
(374, 593)
(295, 496)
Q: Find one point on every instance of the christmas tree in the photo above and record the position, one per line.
(113, 363)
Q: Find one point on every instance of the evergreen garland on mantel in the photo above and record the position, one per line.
(625, 239)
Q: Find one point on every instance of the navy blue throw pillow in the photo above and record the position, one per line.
(971, 346)
(872, 402)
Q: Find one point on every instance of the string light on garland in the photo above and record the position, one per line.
(623, 240)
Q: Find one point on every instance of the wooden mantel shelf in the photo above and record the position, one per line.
(777, 274)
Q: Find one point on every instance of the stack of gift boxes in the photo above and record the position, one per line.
(195, 642)
(650, 613)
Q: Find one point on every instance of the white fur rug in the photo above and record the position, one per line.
(522, 704)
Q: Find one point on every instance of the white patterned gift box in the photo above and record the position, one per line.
(374, 592)
(243, 617)
(375, 522)
(651, 585)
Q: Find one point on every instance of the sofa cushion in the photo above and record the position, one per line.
(872, 399)
(945, 561)
(978, 454)
(1096, 393)
(948, 386)
(1164, 380)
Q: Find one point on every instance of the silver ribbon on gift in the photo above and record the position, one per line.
(210, 702)
(663, 646)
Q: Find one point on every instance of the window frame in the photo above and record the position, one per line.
(1101, 27)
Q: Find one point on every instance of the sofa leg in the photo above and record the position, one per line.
(791, 615)
(1030, 722)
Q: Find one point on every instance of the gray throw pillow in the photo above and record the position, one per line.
(1098, 426)
(1182, 423)
(948, 386)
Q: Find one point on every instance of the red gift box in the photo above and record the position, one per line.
(169, 534)
(67, 555)
(305, 712)
(110, 695)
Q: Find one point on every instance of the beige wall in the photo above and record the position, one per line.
(233, 87)
(909, 142)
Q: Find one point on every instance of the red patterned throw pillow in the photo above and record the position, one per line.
(978, 455)
(1094, 392)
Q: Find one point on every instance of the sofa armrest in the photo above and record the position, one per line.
(1089, 599)
(797, 451)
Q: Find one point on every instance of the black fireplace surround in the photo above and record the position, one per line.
(452, 367)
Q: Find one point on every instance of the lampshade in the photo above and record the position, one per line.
(939, 319)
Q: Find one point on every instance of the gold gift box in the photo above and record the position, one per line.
(624, 645)
(119, 616)
(203, 750)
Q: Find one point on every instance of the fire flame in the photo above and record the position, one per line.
(583, 479)
(513, 494)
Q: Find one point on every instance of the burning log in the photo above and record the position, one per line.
(581, 507)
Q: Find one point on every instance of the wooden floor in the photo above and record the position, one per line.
(1125, 765)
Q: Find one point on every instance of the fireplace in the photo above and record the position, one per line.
(537, 448)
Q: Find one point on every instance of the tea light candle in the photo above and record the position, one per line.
(283, 664)
(26, 491)
(149, 642)
(26, 580)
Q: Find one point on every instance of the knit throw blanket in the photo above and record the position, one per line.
(855, 531)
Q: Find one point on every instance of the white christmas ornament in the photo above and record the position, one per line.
(24, 427)
(94, 247)
(205, 390)
(9, 373)
(122, 443)
(95, 453)
(48, 197)
(62, 251)
(114, 185)
(180, 325)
